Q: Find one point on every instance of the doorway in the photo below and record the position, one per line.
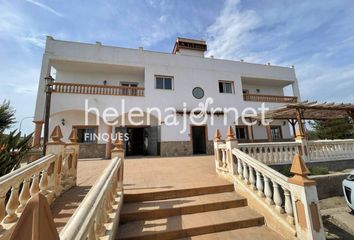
(199, 139)
(135, 145)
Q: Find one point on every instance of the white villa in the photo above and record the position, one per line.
(106, 75)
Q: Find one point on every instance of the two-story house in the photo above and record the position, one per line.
(104, 77)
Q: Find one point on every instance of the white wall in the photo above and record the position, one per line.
(188, 72)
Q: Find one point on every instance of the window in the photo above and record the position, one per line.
(276, 132)
(163, 82)
(245, 91)
(226, 87)
(86, 134)
(241, 132)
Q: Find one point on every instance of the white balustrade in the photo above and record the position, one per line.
(270, 153)
(283, 152)
(268, 183)
(331, 150)
(19, 186)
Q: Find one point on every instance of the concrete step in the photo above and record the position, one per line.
(178, 206)
(177, 193)
(254, 233)
(191, 224)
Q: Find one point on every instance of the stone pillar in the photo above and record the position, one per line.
(37, 134)
(296, 91)
(231, 143)
(118, 150)
(217, 152)
(269, 133)
(76, 146)
(56, 146)
(305, 202)
(303, 146)
(109, 142)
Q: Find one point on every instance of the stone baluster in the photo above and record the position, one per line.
(92, 232)
(259, 184)
(288, 206)
(268, 191)
(224, 162)
(118, 151)
(43, 184)
(73, 144)
(12, 205)
(277, 198)
(245, 173)
(35, 185)
(239, 168)
(2, 208)
(252, 178)
(217, 152)
(308, 221)
(56, 147)
(231, 143)
(24, 195)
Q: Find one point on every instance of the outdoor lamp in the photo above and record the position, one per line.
(49, 81)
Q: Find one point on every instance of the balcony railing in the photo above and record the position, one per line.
(268, 98)
(77, 88)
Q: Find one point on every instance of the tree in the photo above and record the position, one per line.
(13, 147)
(333, 129)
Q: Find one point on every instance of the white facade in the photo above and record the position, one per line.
(94, 63)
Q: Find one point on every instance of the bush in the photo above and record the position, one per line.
(13, 147)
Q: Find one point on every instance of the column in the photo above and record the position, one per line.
(37, 134)
(305, 202)
(109, 142)
(269, 133)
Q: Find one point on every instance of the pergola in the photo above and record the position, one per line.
(298, 112)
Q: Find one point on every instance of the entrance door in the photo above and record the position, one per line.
(198, 139)
(135, 144)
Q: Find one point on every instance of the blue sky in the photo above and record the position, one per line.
(316, 36)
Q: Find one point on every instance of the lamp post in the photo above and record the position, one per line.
(49, 81)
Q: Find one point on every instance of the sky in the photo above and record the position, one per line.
(316, 36)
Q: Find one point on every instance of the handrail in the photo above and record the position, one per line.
(268, 98)
(80, 225)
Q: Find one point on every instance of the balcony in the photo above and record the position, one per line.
(76, 88)
(268, 98)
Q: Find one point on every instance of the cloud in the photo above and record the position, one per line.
(45, 7)
(314, 37)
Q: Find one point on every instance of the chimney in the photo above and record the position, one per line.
(190, 47)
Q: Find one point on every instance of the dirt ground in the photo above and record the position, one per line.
(337, 218)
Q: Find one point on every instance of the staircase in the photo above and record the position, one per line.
(212, 212)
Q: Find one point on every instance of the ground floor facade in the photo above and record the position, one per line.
(155, 138)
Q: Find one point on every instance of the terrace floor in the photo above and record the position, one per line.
(154, 174)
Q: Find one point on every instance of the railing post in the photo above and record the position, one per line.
(118, 151)
(303, 147)
(73, 144)
(231, 143)
(305, 202)
(56, 147)
(217, 153)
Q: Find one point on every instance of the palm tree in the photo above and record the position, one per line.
(13, 147)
